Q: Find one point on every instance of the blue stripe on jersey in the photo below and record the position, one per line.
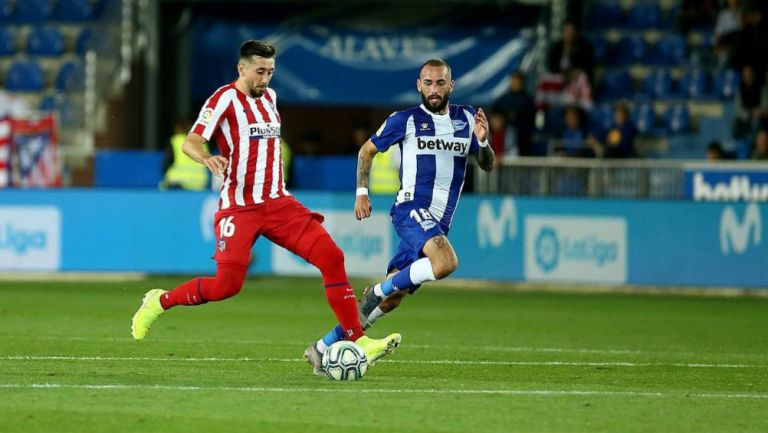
(459, 167)
(424, 124)
(425, 178)
(460, 122)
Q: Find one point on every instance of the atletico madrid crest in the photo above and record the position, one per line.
(222, 244)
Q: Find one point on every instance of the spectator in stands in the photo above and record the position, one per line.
(571, 51)
(517, 111)
(181, 171)
(760, 150)
(696, 13)
(749, 102)
(577, 90)
(619, 140)
(715, 152)
(751, 45)
(574, 139)
(727, 29)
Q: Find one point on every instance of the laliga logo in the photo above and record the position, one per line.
(21, 241)
(734, 236)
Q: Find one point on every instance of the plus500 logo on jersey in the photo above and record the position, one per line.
(719, 185)
(588, 249)
(30, 238)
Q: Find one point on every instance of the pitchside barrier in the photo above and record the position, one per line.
(603, 241)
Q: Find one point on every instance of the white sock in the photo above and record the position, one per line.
(377, 291)
(421, 271)
(373, 317)
(321, 346)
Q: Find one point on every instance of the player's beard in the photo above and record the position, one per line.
(436, 108)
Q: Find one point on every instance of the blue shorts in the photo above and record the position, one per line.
(414, 226)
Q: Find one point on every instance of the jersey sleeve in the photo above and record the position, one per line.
(391, 132)
(210, 115)
(474, 146)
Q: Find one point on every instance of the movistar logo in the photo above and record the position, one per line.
(735, 236)
(438, 144)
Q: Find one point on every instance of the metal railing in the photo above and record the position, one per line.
(583, 177)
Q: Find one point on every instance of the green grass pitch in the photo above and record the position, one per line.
(484, 360)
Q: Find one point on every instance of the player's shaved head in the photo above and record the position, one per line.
(437, 63)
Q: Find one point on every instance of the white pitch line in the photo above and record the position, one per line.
(396, 361)
(530, 392)
(284, 343)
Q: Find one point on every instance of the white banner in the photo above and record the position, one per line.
(575, 248)
(30, 238)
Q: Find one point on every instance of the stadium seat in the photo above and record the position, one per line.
(644, 16)
(644, 117)
(604, 14)
(84, 41)
(599, 47)
(630, 49)
(601, 119)
(669, 50)
(7, 44)
(6, 11)
(24, 76)
(70, 76)
(615, 84)
(49, 102)
(695, 84)
(727, 83)
(73, 10)
(33, 11)
(45, 41)
(677, 118)
(658, 84)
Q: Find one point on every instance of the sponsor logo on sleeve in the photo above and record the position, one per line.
(206, 116)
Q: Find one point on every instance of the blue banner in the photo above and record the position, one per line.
(729, 183)
(331, 63)
(616, 242)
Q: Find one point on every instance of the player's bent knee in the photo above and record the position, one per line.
(229, 280)
(445, 265)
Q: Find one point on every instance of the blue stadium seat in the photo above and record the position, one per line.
(24, 76)
(644, 16)
(84, 41)
(727, 83)
(49, 102)
(630, 49)
(658, 84)
(601, 118)
(644, 117)
(615, 84)
(45, 41)
(677, 118)
(604, 14)
(6, 11)
(73, 10)
(599, 47)
(669, 50)
(33, 11)
(7, 44)
(70, 76)
(695, 84)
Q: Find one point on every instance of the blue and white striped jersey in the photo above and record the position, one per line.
(434, 151)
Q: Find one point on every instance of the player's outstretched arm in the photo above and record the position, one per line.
(364, 161)
(193, 147)
(485, 157)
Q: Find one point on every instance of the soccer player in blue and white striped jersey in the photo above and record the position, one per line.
(435, 140)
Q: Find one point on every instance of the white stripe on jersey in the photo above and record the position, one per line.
(276, 167)
(408, 166)
(244, 150)
(225, 203)
(261, 157)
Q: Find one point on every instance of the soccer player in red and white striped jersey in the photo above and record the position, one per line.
(242, 118)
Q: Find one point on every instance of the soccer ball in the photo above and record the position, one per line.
(344, 360)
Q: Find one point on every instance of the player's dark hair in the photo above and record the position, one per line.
(436, 62)
(253, 47)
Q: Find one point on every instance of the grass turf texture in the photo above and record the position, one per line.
(481, 360)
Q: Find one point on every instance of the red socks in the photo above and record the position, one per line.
(228, 282)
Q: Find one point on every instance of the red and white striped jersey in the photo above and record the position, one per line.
(247, 131)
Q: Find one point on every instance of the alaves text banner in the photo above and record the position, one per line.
(321, 64)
